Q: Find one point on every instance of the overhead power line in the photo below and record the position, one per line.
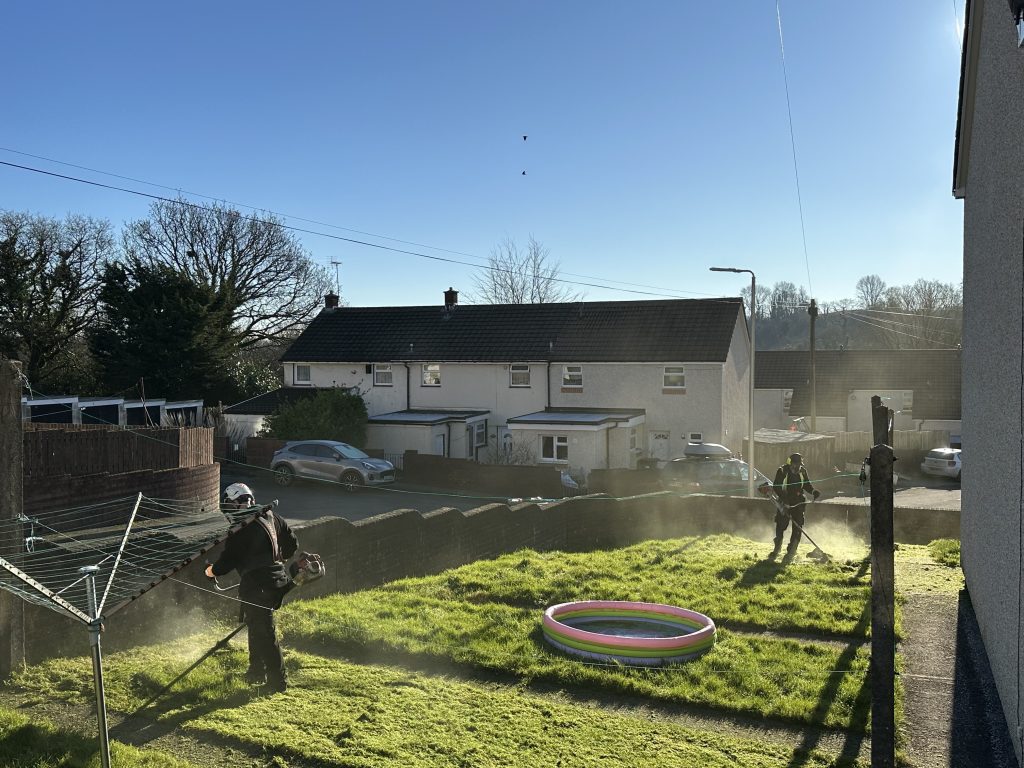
(908, 314)
(890, 330)
(661, 294)
(483, 259)
(792, 143)
(896, 323)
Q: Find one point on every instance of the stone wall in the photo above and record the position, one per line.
(403, 543)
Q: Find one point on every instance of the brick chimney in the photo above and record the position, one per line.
(451, 299)
(331, 300)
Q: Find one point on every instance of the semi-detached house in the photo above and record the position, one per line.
(582, 384)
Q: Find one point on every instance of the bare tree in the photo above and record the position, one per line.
(253, 264)
(764, 300)
(515, 276)
(50, 276)
(925, 314)
(870, 291)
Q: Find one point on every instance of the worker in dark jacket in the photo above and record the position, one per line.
(258, 552)
(791, 483)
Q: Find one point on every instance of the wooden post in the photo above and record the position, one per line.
(883, 618)
(12, 609)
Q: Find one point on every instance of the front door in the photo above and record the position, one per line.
(658, 444)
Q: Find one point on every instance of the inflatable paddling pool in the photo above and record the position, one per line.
(640, 634)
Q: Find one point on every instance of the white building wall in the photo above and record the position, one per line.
(770, 409)
(736, 391)
(990, 526)
(484, 386)
(639, 385)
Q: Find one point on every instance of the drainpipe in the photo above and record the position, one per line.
(448, 441)
(607, 449)
(408, 385)
(547, 403)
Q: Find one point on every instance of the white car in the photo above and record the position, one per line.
(944, 462)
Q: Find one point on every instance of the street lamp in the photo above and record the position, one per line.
(753, 315)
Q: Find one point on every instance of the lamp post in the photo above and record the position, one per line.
(750, 415)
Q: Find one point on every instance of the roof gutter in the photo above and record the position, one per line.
(973, 14)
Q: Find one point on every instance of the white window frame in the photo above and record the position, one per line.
(673, 373)
(309, 374)
(556, 442)
(520, 369)
(427, 371)
(480, 434)
(382, 368)
(570, 372)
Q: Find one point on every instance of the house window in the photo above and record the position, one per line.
(519, 375)
(674, 377)
(480, 434)
(554, 448)
(572, 375)
(382, 375)
(302, 374)
(431, 374)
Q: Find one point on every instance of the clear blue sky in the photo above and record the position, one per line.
(658, 136)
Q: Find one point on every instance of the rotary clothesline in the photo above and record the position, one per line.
(135, 542)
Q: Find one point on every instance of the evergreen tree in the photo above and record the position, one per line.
(158, 325)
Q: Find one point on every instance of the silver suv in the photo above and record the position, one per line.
(330, 460)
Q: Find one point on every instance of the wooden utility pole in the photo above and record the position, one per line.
(12, 609)
(883, 616)
(813, 312)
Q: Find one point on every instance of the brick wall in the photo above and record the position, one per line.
(259, 450)
(41, 498)
(498, 479)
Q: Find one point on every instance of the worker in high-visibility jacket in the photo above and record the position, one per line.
(791, 485)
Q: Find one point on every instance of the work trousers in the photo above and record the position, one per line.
(796, 514)
(264, 649)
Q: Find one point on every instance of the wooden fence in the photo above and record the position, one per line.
(920, 441)
(50, 452)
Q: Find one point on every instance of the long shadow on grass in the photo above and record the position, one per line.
(376, 653)
(855, 736)
(761, 572)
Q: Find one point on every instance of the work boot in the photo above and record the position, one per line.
(773, 554)
(255, 677)
(790, 556)
(276, 685)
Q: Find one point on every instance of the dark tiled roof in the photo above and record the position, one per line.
(933, 375)
(686, 330)
(265, 404)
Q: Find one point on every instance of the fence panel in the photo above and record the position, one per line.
(52, 452)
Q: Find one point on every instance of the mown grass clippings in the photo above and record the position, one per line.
(743, 674)
(722, 576)
(370, 717)
(946, 552)
(31, 743)
(919, 572)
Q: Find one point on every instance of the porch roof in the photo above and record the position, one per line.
(584, 417)
(415, 416)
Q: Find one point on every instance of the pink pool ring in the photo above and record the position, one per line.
(627, 632)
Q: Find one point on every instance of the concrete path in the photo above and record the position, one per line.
(953, 715)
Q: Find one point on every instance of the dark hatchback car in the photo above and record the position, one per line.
(330, 460)
(722, 476)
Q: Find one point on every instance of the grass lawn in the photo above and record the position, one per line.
(366, 688)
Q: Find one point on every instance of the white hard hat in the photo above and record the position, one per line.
(236, 490)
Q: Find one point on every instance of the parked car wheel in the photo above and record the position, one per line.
(284, 475)
(352, 480)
